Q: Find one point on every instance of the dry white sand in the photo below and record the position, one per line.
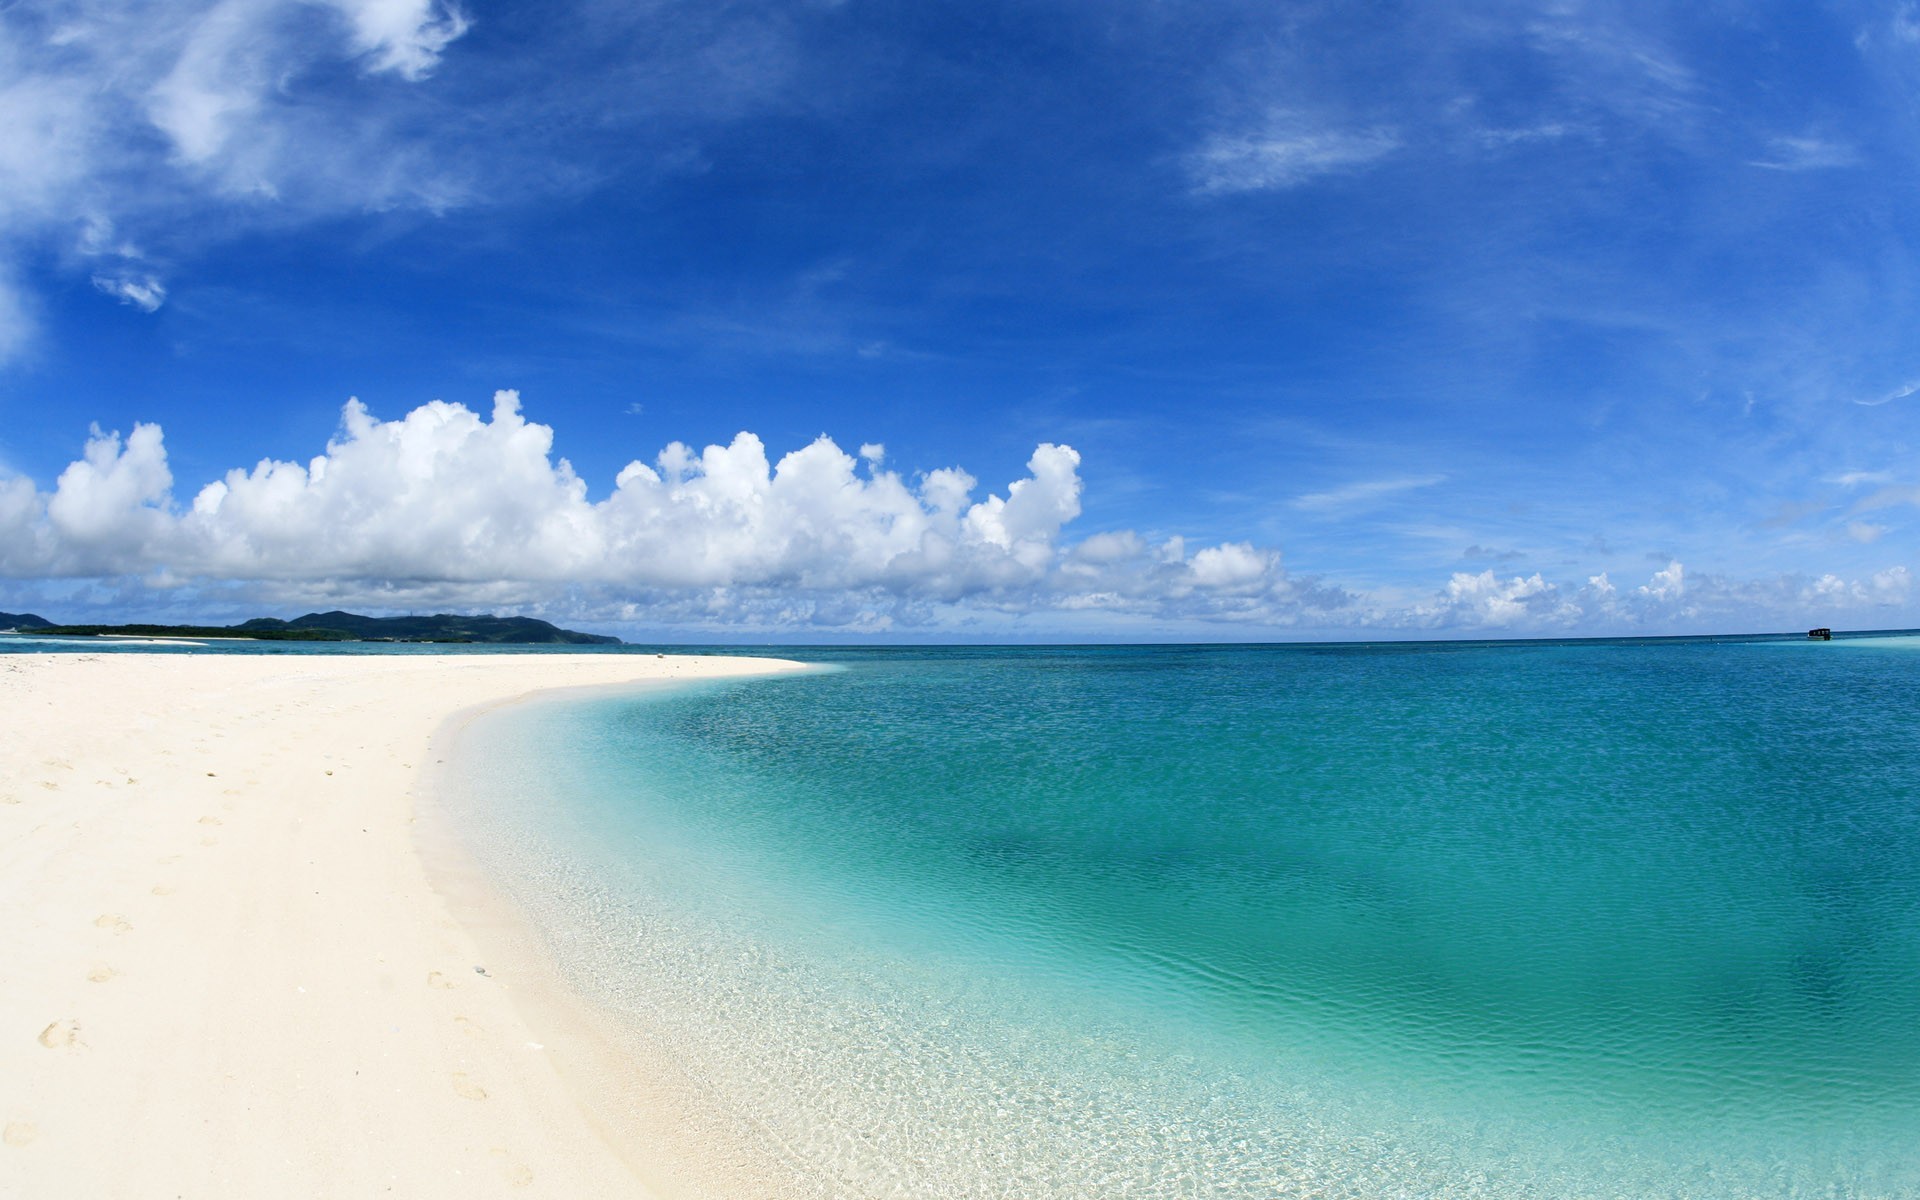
(224, 968)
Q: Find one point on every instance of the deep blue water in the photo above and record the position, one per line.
(1521, 919)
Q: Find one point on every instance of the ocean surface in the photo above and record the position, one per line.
(1444, 920)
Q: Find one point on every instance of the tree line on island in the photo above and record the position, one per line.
(337, 627)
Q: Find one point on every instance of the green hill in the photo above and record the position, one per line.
(341, 627)
(441, 627)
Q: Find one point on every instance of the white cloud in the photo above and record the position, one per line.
(1899, 393)
(1285, 151)
(1365, 492)
(1667, 584)
(1806, 154)
(108, 507)
(1891, 586)
(157, 117)
(444, 507)
(403, 36)
(1607, 62)
(1488, 601)
(1104, 548)
(1887, 497)
(1232, 567)
(1857, 478)
(144, 292)
(443, 495)
(1547, 131)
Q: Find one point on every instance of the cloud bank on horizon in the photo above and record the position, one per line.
(445, 507)
(1531, 318)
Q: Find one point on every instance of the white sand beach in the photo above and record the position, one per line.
(226, 969)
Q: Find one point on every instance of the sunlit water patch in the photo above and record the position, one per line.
(1524, 920)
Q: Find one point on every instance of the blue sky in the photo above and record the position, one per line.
(1359, 320)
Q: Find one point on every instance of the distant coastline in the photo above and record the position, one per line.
(336, 626)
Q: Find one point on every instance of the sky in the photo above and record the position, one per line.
(995, 321)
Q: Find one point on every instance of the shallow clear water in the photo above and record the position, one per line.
(1589, 919)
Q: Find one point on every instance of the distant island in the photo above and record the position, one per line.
(338, 627)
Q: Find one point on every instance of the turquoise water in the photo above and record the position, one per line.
(1591, 919)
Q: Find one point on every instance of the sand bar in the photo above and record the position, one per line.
(224, 967)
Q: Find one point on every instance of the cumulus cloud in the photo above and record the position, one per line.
(445, 507)
(1881, 589)
(1667, 584)
(444, 498)
(1487, 601)
(1232, 567)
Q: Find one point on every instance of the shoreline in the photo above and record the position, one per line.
(232, 964)
(672, 1132)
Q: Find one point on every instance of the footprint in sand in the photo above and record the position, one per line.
(168, 860)
(101, 974)
(466, 1088)
(211, 820)
(50, 785)
(518, 1174)
(209, 840)
(469, 1028)
(9, 798)
(161, 889)
(62, 1035)
(19, 1133)
(113, 921)
(436, 980)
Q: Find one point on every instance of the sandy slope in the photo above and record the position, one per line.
(223, 968)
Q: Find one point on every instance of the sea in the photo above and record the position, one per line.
(1623, 919)
(1540, 919)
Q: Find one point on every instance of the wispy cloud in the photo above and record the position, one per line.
(1888, 497)
(144, 292)
(164, 116)
(1546, 131)
(1286, 151)
(1371, 491)
(1899, 393)
(1806, 154)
